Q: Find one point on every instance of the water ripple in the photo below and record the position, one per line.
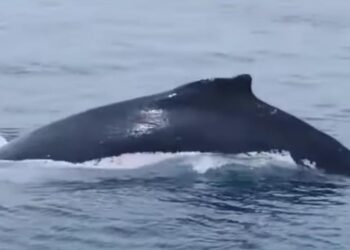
(56, 69)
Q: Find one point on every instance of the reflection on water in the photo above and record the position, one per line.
(234, 206)
(228, 207)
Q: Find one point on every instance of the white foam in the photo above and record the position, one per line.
(200, 162)
(2, 141)
(137, 165)
(137, 160)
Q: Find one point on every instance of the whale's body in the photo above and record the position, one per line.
(219, 115)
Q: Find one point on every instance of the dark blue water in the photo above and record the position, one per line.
(62, 57)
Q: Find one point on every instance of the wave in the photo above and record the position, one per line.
(140, 165)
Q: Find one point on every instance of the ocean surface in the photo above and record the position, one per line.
(59, 57)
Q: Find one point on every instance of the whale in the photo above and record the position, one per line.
(219, 115)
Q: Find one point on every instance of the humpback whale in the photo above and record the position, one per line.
(215, 115)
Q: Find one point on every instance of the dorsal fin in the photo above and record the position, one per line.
(241, 84)
(238, 84)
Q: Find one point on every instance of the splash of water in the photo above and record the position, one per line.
(137, 165)
(2, 141)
